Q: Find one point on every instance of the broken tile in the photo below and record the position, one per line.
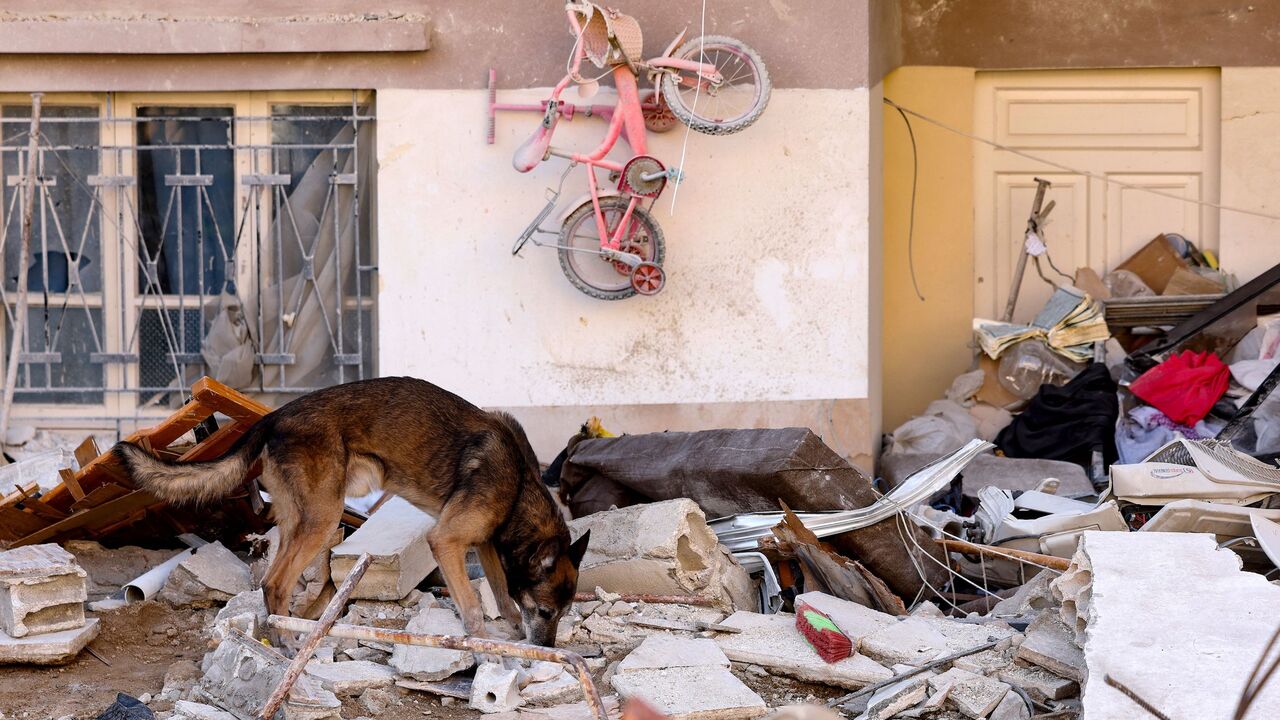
(1039, 683)
(691, 693)
(1050, 644)
(395, 535)
(212, 574)
(1012, 707)
(42, 590)
(351, 677)
(661, 650)
(772, 642)
(55, 648)
(427, 663)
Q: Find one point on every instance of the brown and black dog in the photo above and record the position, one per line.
(474, 471)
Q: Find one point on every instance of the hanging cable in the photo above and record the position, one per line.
(911, 223)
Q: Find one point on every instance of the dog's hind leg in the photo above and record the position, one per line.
(498, 583)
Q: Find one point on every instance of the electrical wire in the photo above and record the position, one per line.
(697, 92)
(911, 223)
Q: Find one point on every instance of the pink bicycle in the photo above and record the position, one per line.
(609, 244)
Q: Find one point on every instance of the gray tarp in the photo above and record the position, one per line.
(735, 471)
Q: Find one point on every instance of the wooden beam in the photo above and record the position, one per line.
(118, 507)
(227, 401)
(100, 495)
(87, 451)
(71, 483)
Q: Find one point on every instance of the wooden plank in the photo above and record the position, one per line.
(174, 426)
(214, 445)
(120, 507)
(71, 483)
(19, 494)
(87, 451)
(19, 523)
(39, 509)
(227, 401)
(99, 496)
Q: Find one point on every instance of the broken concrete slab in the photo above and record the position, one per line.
(1039, 683)
(661, 650)
(911, 640)
(54, 648)
(187, 710)
(351, 677)
(893, 699)
(572, 711)
(488, 602)
(988, 662)
(246, 612)
(496, 689)
(662, 548)
(854, 620)
(772, 642)
(241, 673)
(1030, 598)
(973, 695)
(560, 688)
(426, 663)
(691, 693)
(1176, 620)
(395, 535)
(1050, 644)
(1011, 707)
(211, 574)
(42, 590)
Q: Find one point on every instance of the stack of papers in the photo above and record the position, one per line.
(1070, 323)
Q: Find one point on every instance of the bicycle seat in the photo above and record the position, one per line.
(534, 150)
(609, 37)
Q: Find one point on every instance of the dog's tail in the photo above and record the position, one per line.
(194, 481)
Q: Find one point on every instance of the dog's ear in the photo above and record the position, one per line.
(579, 548)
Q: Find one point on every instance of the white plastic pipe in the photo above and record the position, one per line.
(146, 585)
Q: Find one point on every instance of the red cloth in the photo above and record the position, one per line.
(1185, 386)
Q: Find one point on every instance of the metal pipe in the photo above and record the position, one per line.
(24, 255)
(698, 600)
(322, 626)
(459, 642)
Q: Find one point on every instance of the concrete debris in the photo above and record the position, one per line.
(691, 693)
(1051, 644)
(212, 574)
(241, 673)
(187, 710)
(661, 650)
(488, 602)
(351, 677)
(396, 536)
(377, 700)
(1030, 598)
(246, 612)
(495, 689)
(42, 590)
(1039, 683)
(973, 695)
(54, 648)
(315, 577)
(426, 663)
(1012, 707)
(772, 642)
(661, 548)
(1175, 619)
(560, 688)
(893, 699)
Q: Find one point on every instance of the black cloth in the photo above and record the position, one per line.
(1066, 422)
(127, 707)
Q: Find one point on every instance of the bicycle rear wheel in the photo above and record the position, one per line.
(729, 107)
(595, 274)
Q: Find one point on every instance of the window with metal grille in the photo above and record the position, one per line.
(177, 236)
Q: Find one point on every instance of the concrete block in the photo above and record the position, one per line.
(1030, 598)
(210, 575)
(562, 687)
(54, 648)
(1050, 644)
(241, 673)
(691, 693)
(351, 677)
(187, 710)
(661, 650)
(893, 699)
(1039, 683)
(396, 538)
(424, 663)
(42, 590)
(911, 640)
(246, 612)
(973, 695)
(1176, 620)
(663, 548)
(1012, 707)
(772, 642)
(495, 689)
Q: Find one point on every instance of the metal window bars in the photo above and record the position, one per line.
(142, 244)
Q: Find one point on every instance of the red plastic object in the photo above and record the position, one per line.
(1185, 386)
(821, 632)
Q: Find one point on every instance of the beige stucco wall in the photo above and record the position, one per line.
(1250, 169)
(766, 315)
(926, 342)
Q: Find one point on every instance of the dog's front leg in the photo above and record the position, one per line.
(451, 554)
(497, 577)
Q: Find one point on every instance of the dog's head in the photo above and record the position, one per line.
(544, 585)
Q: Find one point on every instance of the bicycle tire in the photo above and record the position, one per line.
(711, 126)
(587, 212)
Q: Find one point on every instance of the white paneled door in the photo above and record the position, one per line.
(1154, 129)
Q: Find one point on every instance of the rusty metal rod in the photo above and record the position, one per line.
(458, 642)
(698, 600)
(326, 621)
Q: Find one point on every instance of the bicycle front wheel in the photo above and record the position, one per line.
(729, 107)
(595, 274)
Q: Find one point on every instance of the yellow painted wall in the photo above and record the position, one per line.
(927, 343)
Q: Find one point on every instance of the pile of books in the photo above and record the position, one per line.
(1070, 323)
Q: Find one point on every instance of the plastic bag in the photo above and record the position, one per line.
(943, 428)
(1184, 387)
(1030, 364)
(227, 350)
